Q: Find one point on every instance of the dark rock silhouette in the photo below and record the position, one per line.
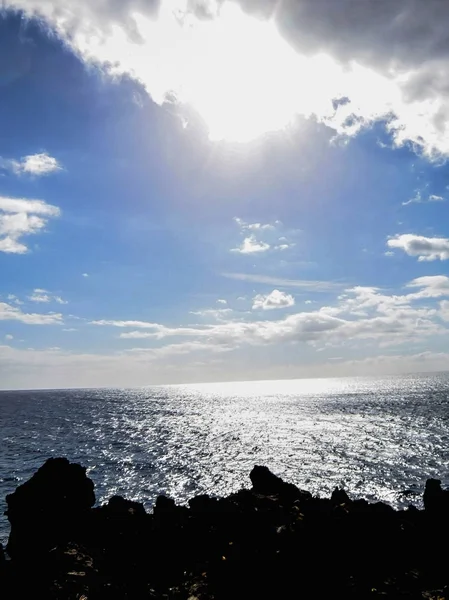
(339, 497)
(266, 483)
(49, 507)
(436, 500)
(272, 541)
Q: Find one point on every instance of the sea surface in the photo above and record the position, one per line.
(375, 437)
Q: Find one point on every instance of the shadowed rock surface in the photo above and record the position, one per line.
(271, 541)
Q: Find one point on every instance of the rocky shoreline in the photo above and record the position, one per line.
(271, 541)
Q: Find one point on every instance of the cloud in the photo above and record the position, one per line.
(34, 369)
(9, 337)
(418, 199)
(33, 164)
(244, 226)
(251, 245)
(391, 364)
(53, 367)
(20, 217)
(221, 301)
(215, 313)
(85, 274)
(275, 299)
(425, 248)
(182, 348)
(362, 316)
(262, 237)
(13, 298)
(309, 285)
(138, 324)
(246, 76)
(373, 319)
(444, 310)
(12, 313)
(432, 286)
(41, 295)
(357, 320)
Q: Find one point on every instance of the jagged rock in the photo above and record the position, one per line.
(267, 483)
(164, 505)
(203, 504)
(339, 496)
(48, 508)
(436, 500)
(118, 505)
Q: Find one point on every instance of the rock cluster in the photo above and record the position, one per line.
(272, 541)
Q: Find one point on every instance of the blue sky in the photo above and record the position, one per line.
(166, 219)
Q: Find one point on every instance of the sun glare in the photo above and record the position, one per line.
(239, 77)
(236, 71)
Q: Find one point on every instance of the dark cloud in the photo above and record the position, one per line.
(380, 33)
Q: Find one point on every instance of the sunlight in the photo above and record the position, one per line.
(240, 77)
(237, 72)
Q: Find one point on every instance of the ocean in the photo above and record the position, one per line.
(375, 437)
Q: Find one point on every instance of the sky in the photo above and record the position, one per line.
(195, 191)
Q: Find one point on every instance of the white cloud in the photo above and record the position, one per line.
(11, 313)
(432, 286)
(251, 245)
(245, 79)
(276, 299)
(260, 237)
(70, 329)
(419, 199)
(9, 337)
(214, 313)
(221, 301)
(358, 320)
(41, 295)
(425, 248)
(20, 217)
(85, 274)
(138, 324)
(444, 310)
(244, 226)
(13, 298)
(21, 205)
(310, 285)
(362, 314)
(33, 164)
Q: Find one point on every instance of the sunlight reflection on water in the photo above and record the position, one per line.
(374, 437)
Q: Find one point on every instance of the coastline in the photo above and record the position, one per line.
(270, 541)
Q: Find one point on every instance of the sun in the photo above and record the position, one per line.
(239, 76)
(237, 72)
